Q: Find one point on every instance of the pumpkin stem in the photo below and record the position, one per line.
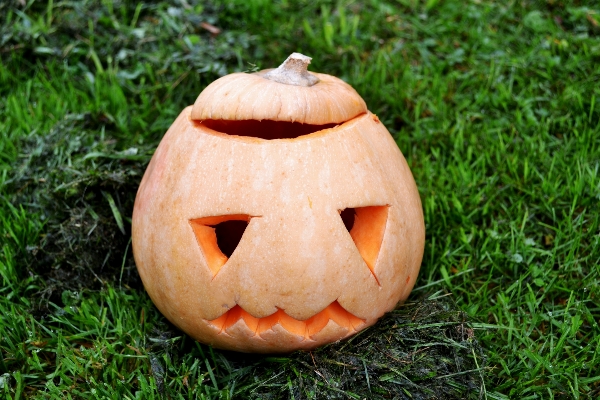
(293, 71)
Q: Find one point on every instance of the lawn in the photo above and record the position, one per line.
(493, 103)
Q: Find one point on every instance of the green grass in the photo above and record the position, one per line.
(494, 105)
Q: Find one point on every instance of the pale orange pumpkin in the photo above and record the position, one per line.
(277, 214)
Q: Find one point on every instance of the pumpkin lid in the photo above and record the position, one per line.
(288, 93)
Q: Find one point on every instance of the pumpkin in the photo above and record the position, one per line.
(277, 214)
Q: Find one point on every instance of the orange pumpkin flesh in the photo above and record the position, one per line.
(367, 232)
(306, 329)
(271, 236)
(206, 236)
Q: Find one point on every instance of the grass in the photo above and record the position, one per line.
(494, 105)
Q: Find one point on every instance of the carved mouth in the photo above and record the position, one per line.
(307, 328)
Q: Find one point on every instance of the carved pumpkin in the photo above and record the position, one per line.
(277, 214)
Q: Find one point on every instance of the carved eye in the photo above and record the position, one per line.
(367, 227)
(219, 236)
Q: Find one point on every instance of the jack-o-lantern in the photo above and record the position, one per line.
(277, 214)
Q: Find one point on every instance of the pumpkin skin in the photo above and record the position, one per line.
(298, 278)
(330, 101)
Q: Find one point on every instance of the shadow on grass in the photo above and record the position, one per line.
(425, 349)
(82, 190)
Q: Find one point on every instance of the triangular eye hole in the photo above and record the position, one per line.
(367, 227)
(218, 237)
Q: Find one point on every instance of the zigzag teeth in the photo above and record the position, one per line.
(306, 329)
